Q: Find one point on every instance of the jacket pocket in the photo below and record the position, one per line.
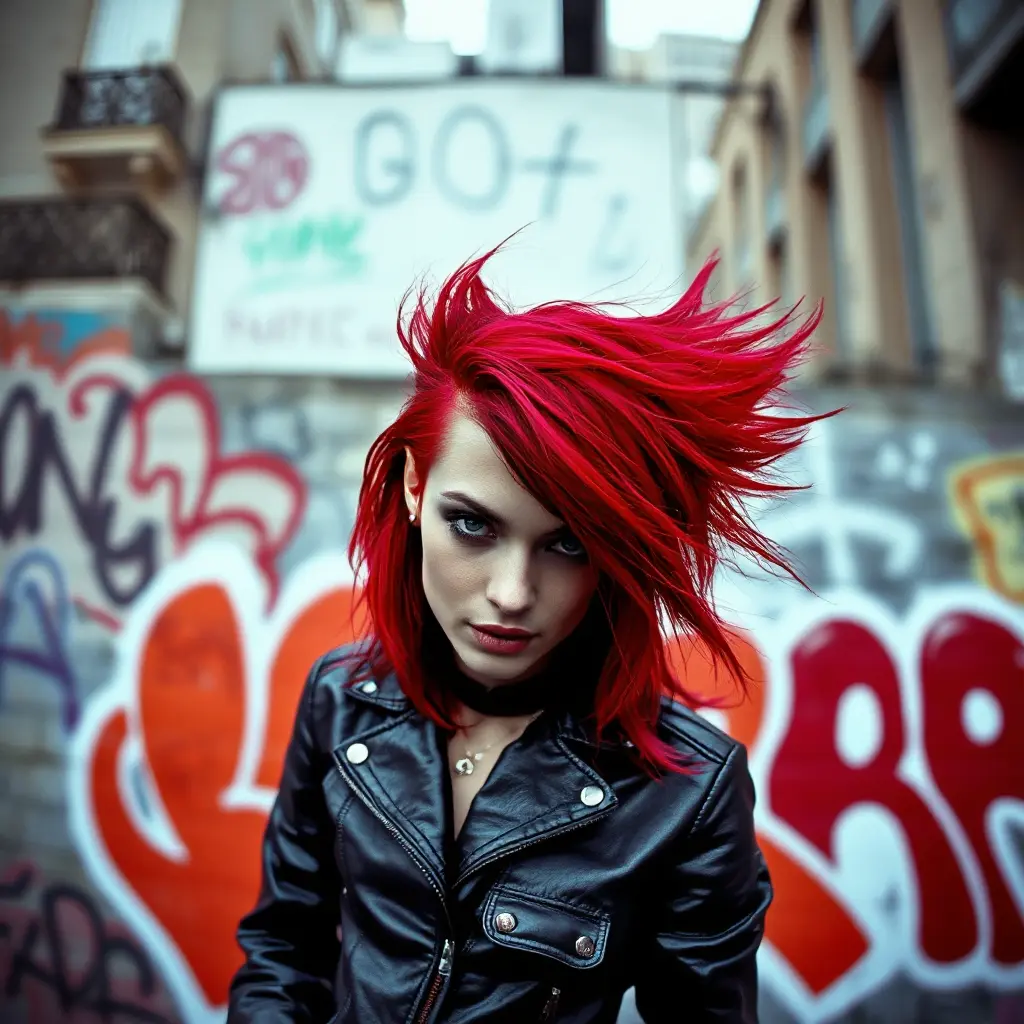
(553, 928)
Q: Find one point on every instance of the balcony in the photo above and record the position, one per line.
(873, 31)
(986, 49)
(101, 239)
(117, 126)
(816, 129)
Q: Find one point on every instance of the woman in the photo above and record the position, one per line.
(489, 810)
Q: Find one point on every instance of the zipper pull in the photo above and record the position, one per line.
(551, 1005)
(444, 968)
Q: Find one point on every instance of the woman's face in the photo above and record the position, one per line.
(492, 556)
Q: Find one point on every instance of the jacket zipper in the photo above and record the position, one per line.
(444, 967)
(550, 1006)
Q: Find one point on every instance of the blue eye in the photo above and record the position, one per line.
(456, 524)
(473, 529)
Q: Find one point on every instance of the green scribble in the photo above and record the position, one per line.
(327, 245)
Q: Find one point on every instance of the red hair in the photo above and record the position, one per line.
(642, 433)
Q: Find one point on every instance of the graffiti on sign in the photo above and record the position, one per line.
(268, 171)
(115, 473)
(62, 960)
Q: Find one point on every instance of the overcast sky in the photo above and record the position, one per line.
(633, 23)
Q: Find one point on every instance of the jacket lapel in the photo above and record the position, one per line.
(402, 777)
(538, 788)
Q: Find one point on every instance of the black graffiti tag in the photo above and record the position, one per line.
(43, 457)
(45, 955)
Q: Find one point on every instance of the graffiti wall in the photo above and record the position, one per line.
(172, 562)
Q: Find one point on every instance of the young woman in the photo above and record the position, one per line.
(491, 810)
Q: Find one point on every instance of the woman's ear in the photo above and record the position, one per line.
(412, 484)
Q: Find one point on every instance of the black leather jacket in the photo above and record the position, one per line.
(575, 875)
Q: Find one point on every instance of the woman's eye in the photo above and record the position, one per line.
(575, 548)
(469, 526)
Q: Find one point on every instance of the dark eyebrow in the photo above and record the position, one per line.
(492, 517)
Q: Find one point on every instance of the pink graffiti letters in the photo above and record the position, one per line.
(268, 170)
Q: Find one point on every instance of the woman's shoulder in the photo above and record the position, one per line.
(694, 733)
(354, 667)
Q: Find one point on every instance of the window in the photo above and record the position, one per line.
(127, 33)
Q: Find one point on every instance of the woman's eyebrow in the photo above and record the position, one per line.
(492, 517)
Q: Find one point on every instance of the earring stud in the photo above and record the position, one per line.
(412, 517)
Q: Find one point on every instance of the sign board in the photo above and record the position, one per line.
(324, 204)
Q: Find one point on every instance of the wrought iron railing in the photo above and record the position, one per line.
(71, 239)
(129, 96)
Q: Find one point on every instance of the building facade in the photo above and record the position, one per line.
(173, 538)
(881, 171)
(105, 107)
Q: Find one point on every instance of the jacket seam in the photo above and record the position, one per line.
(712, 789)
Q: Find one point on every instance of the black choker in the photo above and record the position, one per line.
(524, 698)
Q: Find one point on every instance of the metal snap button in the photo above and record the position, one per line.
(505, 923)
(357, 753)
(585, 946)
(370, 687)
(592, 795)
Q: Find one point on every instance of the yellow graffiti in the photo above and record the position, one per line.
(987, 496)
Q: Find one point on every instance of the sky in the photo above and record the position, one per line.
(631, 23)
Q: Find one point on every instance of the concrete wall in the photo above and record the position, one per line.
(171, 554)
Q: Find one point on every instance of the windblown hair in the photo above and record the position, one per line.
(644, 434)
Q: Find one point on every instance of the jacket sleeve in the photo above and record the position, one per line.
(709, 918)
(289, 939)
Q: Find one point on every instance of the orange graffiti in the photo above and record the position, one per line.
(988, 501)
(192, 710)
(38, 341)
(821, 954)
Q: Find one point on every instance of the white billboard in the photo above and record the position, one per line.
(323, 204)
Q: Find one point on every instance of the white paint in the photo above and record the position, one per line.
(981, 716)
(858, 726)
(427, 177)
(838, 518)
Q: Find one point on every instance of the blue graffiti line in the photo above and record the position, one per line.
(50, 608)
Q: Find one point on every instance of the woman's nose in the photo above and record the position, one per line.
(511, 588)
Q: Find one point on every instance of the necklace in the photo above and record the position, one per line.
(467, 765)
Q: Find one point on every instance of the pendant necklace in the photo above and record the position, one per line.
(467, 765)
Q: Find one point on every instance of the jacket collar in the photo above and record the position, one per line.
(535, 791)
